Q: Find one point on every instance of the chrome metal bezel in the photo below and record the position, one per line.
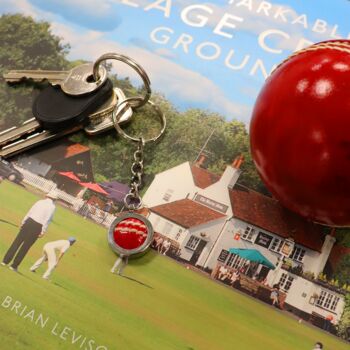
(127, 252)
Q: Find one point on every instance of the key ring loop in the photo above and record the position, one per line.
(119, 110)
(132, 203)
(133, 64)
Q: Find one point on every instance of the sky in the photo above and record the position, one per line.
(213, 55)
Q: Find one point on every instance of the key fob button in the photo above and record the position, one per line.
(56, 110)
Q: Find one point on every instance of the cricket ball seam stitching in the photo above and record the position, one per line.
(336, 45)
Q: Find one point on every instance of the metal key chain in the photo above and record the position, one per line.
(90, 108)
(132, 233)
(135, 102)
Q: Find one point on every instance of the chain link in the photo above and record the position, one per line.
(133, 199)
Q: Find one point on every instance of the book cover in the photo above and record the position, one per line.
(229, 266)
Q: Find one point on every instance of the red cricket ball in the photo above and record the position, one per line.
(300, 133)
(130, 233)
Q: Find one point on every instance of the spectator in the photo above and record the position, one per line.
(165, 247)
(159, 243)
(108, 206)
(234, 277)
(274, 295)
(328, 323)
(223, 273)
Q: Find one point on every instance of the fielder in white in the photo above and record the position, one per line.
(49, 254)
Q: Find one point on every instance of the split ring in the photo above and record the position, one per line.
(133, 64)
(123, 105)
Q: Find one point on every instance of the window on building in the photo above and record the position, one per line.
(167, 195)
(286, 282)
(231, 259)
(248, 234)
(193, 242)
(327, 300)
(276, 245)
(178, 235)
(223, 255)
(334, 303)
(321, 298)
(298, 254)
(235, 261)
(167, 227)
(155, 222)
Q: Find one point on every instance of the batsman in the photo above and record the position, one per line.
(49, 255)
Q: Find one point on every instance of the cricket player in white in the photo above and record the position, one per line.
(34, 226)
(49, 255)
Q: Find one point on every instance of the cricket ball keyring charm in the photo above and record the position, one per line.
(132, 233)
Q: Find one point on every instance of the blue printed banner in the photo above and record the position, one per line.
(213, 55)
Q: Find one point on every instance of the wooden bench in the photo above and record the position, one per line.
(317, 319)
(249, 284)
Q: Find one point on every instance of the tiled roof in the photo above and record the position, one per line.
(142, 211)
(186, 213)
(268, 214)
(75, 149)
(202, 177)
(58, 150)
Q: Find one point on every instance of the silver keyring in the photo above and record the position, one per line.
(118, 111)
(133, 64)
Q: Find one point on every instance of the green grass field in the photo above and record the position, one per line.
(173, 308)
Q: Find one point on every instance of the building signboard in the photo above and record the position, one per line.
(222, 208)
(263, 239)
(287, 247)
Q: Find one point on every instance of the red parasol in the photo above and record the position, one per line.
(70, 175)
(94, 187)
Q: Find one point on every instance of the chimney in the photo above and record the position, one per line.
(232, 172)
(333, 232)
(200, 161)
(326, 250)
(238, 162)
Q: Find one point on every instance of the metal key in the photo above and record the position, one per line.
(30, 134)
(102, 121)
(77, 81)
(49, 113)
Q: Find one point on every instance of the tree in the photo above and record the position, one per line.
(343, 237)
(185, 135)
(344, 324)
(342, 272)
(25, 44)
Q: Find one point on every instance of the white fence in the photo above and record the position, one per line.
(36, 181)
(77, 204)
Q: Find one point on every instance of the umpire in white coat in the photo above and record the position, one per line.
(34, 226)
(49, 255)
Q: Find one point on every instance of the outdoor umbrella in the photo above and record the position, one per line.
(116, 190)
(70, 175)
(252, 255)
(94, 187)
